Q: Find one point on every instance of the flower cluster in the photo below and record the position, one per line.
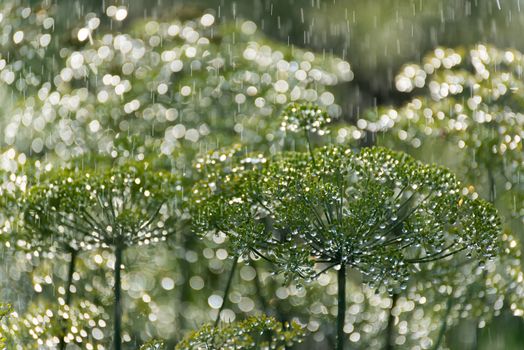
(126, 205)
(133, 98)
(260, 332)
(469, 99)
(308, 117)
(372, 210)
(86, 325)
(153, 345)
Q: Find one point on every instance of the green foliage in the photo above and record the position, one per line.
(380, 212)
(113, 91)
(309, 117)
(4, 312)
(129, 204)
(153, 345)
(257, 332)
(470, 98)
(467, 105)
(15, 176)
(85, 323)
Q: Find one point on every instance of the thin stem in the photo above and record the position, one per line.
(391, 324)
(341, 307)
(324, 270)
(70, 272)
(226, 291)
(259, 288)
(492, 189)
(435, 257)
(444, 325)
(69, 283)
(152, 218)
(105, 212)
(401, 221)
(309, 147)
(262, 256)
(117, 338)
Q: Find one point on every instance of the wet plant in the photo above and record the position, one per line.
(307, 119)
(4, 312)
(153, 345)
(118, 83)
(256, 332)
(376, 211)
(42, 322)
(466, 100)
(128, 205)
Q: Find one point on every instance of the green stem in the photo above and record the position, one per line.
(117, 337)
(68, 296)
(226, 291)
(444, 324)
(70, 272)
(260, 288)
(309, 147)
(492, 190)
(390, 329)
(341, 308)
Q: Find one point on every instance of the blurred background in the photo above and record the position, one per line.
(377, 38)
